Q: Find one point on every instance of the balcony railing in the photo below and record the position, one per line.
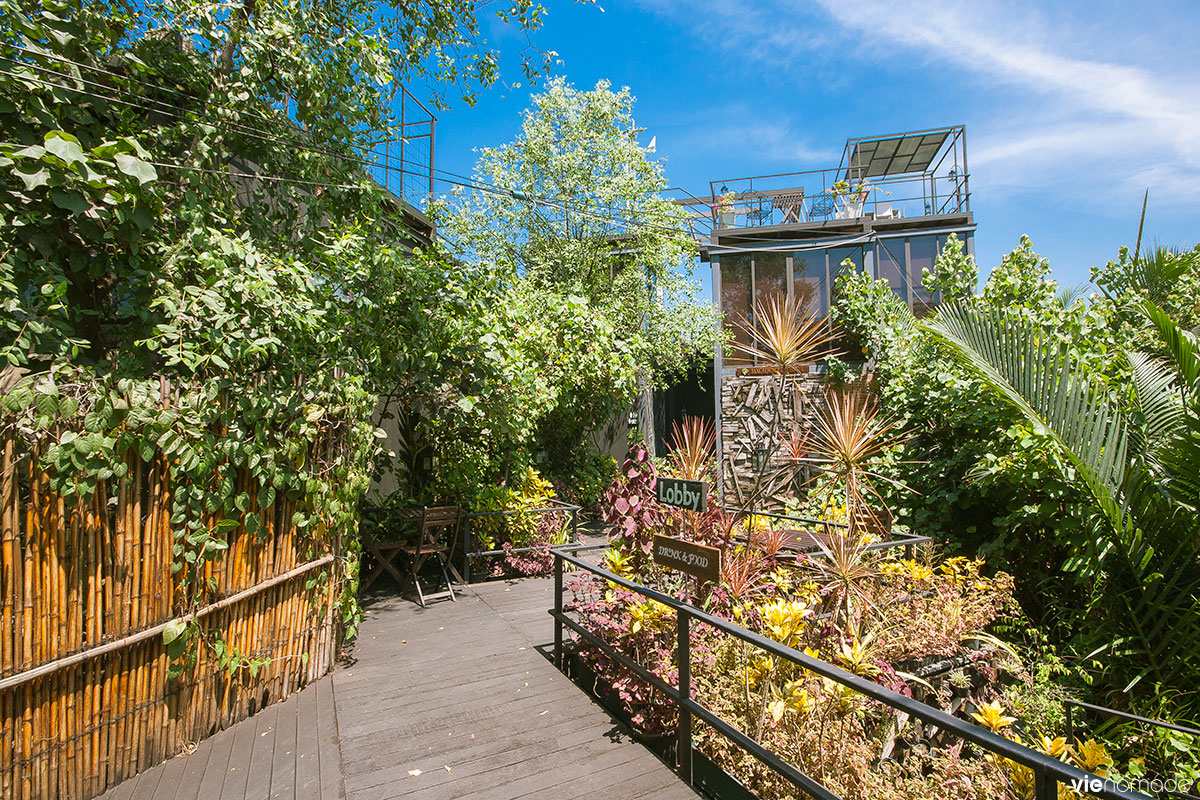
(822, 196)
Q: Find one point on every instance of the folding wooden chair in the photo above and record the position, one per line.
(388, 548)
(439, 531)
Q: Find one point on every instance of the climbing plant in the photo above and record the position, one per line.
(191, 245)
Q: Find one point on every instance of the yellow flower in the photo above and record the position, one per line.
(1092, 756)
(784, 620)
(1056, 747)
(992, 716)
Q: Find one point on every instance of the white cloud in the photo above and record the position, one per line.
(1046, 90)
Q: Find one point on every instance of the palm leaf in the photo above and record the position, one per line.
(1155, 590)
(1030, 371)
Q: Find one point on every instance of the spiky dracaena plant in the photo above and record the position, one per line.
(783, 336)
(693, 442)
(1140, 471)
(848, 438)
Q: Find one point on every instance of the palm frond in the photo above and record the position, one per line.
(1156, 398)
(1030, 371)
(1181, 344)
(1068, 296)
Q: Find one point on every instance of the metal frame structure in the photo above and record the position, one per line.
(1048, 771)
(393, 161)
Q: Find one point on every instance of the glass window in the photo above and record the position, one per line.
(922, 251)
(735, 299)
(839, 254)
(844, 346)
(808, 271)
(889, 266)
(770, 277)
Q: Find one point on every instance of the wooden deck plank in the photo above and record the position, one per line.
(237, 768)
(170, 773)
(220, 750)
(262, 753)
(195, 766)
(451, 701)
(308, 754)
(283, 759)
(329, 741)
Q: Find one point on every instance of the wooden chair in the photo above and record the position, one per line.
(438, 533)
(386, 549)
(792, 206)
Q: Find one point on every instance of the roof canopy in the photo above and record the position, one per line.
(897, 154)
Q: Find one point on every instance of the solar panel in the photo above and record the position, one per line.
(894, 155)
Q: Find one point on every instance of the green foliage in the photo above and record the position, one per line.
(1043, 475)
(159, 301)
(579, 212)
(954, 273)
(529, 492)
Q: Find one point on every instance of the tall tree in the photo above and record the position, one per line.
(574, 205)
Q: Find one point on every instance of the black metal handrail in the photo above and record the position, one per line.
(468, 554)
(905, 540)
(1048, 771)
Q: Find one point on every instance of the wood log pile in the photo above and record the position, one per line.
(748, 407)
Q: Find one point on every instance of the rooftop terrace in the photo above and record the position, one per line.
(900, 176)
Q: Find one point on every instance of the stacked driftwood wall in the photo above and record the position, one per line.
(748, 407)
(87, 591)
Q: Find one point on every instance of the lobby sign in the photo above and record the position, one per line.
(692, 495)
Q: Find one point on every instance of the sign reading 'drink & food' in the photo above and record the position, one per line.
(695, 559)
(691, 495)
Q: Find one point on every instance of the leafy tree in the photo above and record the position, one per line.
(183, 197)
(574, 206)
(1000, 460)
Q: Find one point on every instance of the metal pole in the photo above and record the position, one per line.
(559, 656)
(574, 526)
(467, 550)
(683, 655)
(1044, 787)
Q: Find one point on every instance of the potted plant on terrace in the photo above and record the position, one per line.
(723, 208)
(851, 196)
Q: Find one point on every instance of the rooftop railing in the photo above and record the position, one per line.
(820, 196)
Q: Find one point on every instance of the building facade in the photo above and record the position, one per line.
(886, 210)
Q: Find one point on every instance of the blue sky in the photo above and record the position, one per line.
(1072, 109)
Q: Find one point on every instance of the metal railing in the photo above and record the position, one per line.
(898, 539)
(557, 507)
(797, 198)
(1070, 705)
(1048, 771)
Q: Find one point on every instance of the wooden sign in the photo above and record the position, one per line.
(692, 495)
(695, 559)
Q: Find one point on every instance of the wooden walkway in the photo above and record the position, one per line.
(452, 701)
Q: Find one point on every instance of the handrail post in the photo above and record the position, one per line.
(467, 550)
(559, 656)
(1044, 786)
(683, 656)
(575, 525)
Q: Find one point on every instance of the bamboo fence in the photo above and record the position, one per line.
(86, 590)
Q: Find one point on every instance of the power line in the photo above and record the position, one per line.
(456, 179)
(173, 112)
